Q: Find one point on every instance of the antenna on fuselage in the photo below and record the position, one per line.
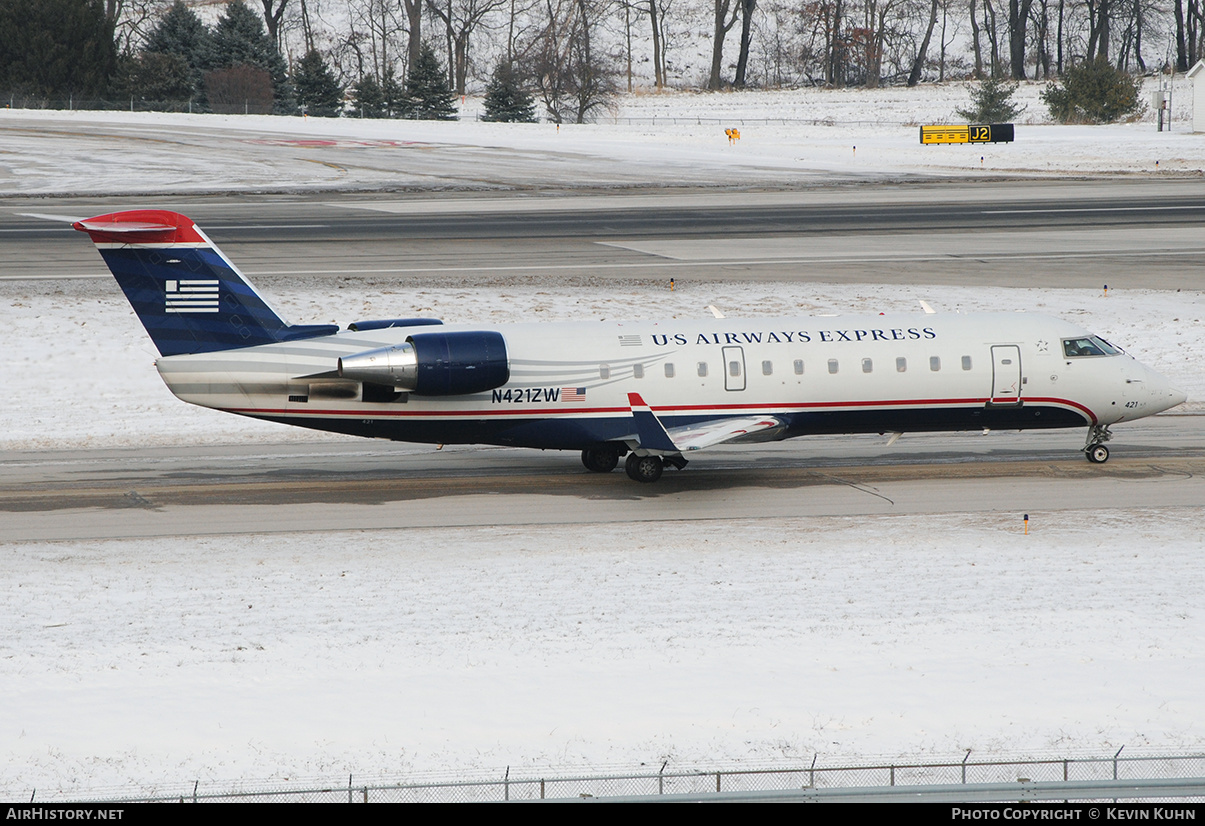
(925, 306)
(714, 311)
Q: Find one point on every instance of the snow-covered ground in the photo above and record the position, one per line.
(665, 139)
(285, 657)
(258, 657)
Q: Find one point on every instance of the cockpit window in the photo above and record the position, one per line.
(1089, 346)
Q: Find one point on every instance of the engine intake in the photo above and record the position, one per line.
(434, 364)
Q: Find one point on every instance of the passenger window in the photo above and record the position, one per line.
(702, 369)
(799, 367)
(934, 363)
(867, 365)
(832, 365)
(966, 362)
(604, 371)
(637, 371)
(901, 365)
(734, 369)
(767, 368)
(669, 370)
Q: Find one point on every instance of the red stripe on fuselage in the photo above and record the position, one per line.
(766, 409)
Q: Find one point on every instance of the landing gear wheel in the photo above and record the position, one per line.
(600, 459)
(1097, 454)
(644, 468)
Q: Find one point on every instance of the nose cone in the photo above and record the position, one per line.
(1162, 395)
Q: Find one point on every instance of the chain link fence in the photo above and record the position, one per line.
(693, 782)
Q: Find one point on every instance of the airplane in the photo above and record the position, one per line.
(653, 392)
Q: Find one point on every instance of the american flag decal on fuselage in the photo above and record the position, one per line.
(573, 394)
(194, 296)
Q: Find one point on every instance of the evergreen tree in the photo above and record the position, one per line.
(56, 48)
(318, 93)
(991, 102)
(374, 100)
(428, 96)
(155, 77)
(182, 34)
(1095, 91)
(395, 95)
(239, 39)
(505, 98)
(370, 98)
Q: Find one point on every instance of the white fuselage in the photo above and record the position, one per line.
(569, 382)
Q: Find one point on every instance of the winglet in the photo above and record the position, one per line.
(653, 437)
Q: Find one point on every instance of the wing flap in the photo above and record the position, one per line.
(718, 431)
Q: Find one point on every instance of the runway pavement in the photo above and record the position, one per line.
(1074, 234)
(351, 484)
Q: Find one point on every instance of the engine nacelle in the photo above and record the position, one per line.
(434, 364)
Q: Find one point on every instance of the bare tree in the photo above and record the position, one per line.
(723, 25)
(414, 30)
(461, 18)
(132, 20)
(575, 79)
(372, 37)
(1098, 28)
(274, 12)
(879, 20)
(742, 61)
(657, 11)
(918, 63)
(1018, 17)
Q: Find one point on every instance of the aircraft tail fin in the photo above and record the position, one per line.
(187, 294)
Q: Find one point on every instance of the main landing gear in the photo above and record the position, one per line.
(1094, 447)
(644, 468)
(601, 459)
(605, 458)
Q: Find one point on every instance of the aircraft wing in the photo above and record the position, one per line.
(653, 436)
(718, 431)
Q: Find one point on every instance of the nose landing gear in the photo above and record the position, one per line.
(1094, 447)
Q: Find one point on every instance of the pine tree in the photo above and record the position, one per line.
(318, 93)
(370, 98)
(505, 98)
(56, 48)
(239, 39)
(155, 77)
(182, 34)
(991, 102)
(428, 96)
(1095, 91)
(374, 100)
(395, 95)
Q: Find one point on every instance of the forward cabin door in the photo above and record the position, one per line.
(734, 368)
(1006, 375)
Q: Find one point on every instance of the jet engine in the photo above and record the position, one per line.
(434, 364)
